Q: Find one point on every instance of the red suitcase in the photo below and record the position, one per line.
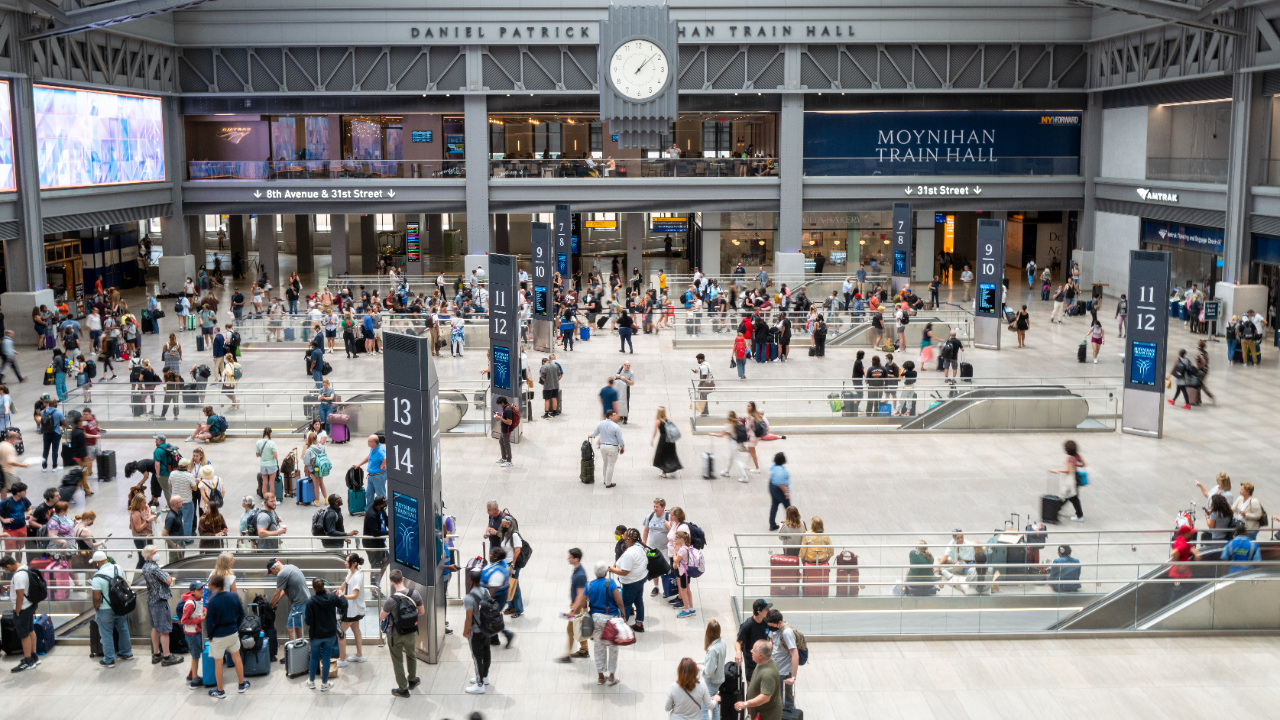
(785, 574)
(817, 580)
(847, 572)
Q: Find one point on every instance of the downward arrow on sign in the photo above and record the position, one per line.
(391, 193)
(257, 193)
(908, 189)
(977, 190)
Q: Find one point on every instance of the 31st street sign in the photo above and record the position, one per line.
(324, 194)
(944, 190)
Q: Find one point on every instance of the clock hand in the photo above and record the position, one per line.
(646, 62)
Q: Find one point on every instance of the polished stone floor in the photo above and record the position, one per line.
(882, 483)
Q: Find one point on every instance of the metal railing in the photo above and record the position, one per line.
(931, 403)
(613, 168)
(325, 170)
(1120, 582)
(942, 165)
(1208, 170)
(844, 328)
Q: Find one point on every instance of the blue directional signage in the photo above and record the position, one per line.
(1148, 321)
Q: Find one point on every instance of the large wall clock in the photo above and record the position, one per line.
(639, 70)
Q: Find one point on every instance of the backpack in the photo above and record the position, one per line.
(120, 596)
(949, 349)
(215, 493)
(404, 614)
(699, 538)
(489, 615)
(37, 586)
(802, 646)
(323, 464)
(177, 305)
(759, 428)
(673, 432)
(526, 552)
(697, 563)
(218, 426)
(1179, 372)
(906, 317)
(355, 479)
(317, 522)
(171, 457)
(515, 416)
(739, 432)
(237, 373)
(251, 525)
(47, 423)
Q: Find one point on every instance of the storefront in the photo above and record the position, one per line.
(1265, 270)
(1196, 252)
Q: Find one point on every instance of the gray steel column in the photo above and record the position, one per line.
(476, 128)
(368, 244)
(173, 236)
(434, 245)
(1246, 149)
(24, 256)
(195, 238)
(791, 174)
(1090, 168)
(338, 244)
(235, 239)
(633, 235)
(268, 252)
(304, 247)
(709, 262)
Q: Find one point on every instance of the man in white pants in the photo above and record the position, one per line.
(611, 444)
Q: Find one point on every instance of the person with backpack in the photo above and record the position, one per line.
(496, 577)
(315, 460)
(604, 598)
(684, 562)
(949, 356)
(114, 601)
(327, 523)
(399, 618)
(27, 589)
(786, 655)
(191, 617)
(50, 420)
(1183, 374)
(482, 623)
(1241, 550)
(223, 617)
(213, 428)
(514, 546)
(632, 567)
(377, 463)
(736, 434)
(166, 459)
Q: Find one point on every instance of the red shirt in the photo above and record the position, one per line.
(90, 432)
(1181, 553)
(739, 348)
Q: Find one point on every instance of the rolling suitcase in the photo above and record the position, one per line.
(297, 658)
(9, 634)
(191, 395)
(1080, 352)
(288, 334)
(355, 502)
(106, 465)
(816, 579)
(601, 322)
(966, 371)
(177, 640)
(1049, 505)
(135, 401)
(784, 572)
(584, 332)
(587, 473)
(339, 433)
(847, 572)
(306, 492)
(708, 466)
(45, 638)
(1044, 293)
(200, 343)
(95, 640)
(257, 662)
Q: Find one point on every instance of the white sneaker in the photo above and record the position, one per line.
(742, 480)
(724, 474)
(475, 689)
(191, 438)
(358, 658)
(311, 684)
(326, 687)
(1095, 361)
(1077, 518)
(342, 663)
(506, 464)
(473, 681)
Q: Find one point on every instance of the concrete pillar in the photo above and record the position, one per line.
(368, 244)
(24, 255)
(788, 260)
(1246, 167)
(926, 250)
(268, 251)
(338, 244)
(1090, 168)
(633, 235)
(305, 247)
(235, 240)
(177, 263)
(196, 239)
(476, 129)
(501, 234)
(709, 262)
(433, 242)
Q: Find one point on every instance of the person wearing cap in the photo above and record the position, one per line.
(191, 616)
(958, 552)
(1064, 571)
(113, 628)
(752, 630)
(183, 483)
(158, 595)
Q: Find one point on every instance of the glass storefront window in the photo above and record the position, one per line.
(715, 135)
(545, 136)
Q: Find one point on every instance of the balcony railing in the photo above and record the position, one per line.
(1206, 170)
(647, 167)
(325, 169)
(883, 166)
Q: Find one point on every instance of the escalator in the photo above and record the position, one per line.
(988, 408)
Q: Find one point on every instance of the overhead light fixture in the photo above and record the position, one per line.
(1195, 102)
(886, 242)
(862, 242)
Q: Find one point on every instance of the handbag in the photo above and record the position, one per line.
(588, 626)
(1082, 477)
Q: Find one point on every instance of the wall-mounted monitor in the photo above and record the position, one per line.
(422, 136)
(456, 143)
(91, 137)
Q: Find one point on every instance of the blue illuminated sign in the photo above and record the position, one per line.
(501, 367)
(1142, 365)
(1189, 237)
(421, 136)
(405, 521)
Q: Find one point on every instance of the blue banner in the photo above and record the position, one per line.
(1189, 237)
(979, 142)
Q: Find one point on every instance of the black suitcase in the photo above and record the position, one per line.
(1049, 505)
(708, 466)
(191, 394)
(1080, 352)
(95, 640)
(588, 472)
(200, 343)
(136, 400)
(9, 634)
(966, 371)
(310, 406)
(178, 640)
(1044, 294)
(106, 465)
(601, 322)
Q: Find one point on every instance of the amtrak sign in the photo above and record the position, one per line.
(1158, 196)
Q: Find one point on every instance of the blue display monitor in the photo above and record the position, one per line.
(562, 264)
(502, 367)
(1142, 364)
(987, 298)
(422, 136)
(406, 519)
(539, 300)
(899, 262)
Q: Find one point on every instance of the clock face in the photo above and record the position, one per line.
(639, 69)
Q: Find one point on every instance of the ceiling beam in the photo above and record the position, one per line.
(1176, 13)
(106, 14)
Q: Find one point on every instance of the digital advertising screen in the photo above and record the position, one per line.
(539, 300)
(89, 137)
(420, 136)
(412, 242)
(1142, 363)
(899, 262)
(562, 264)
(405, 521)
(987, 302)
(7, 182)
(456, 143)
(502, 367)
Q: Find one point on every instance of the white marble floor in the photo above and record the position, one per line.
(926, 482)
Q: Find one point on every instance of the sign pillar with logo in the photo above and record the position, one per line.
(989, 307)
(504, 338)
(1146, 345)
(413, 246)
(563, 231)
(901, 246)
(411, 421)
(541, 247)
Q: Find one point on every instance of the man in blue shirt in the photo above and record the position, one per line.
(237, 305)
(316, 365)
(13, 515)
(50, 422)
(578, 606)
(1241, 549)
(219, 345)
(496, 576)
(377, 461)
(1064, 571)
(608, 398)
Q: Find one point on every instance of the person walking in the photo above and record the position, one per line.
(1059, 298)
(321, 618)
(507, 421)
(1070, 491)
(1095, 337)
(549, 379)
(666, 434)
(1122, 312)
(626, 327)
(1022, 323)
(632, 567)
(1181, 376)
(604, 597)
(736, 434)
(376, 460)
(222, 619)
(1202, 369)
(399, 617)
(113, 627)
(779, 489)
(579, 606)
(628, 380)
(611, 444)
(481, 649)
(740, 355)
